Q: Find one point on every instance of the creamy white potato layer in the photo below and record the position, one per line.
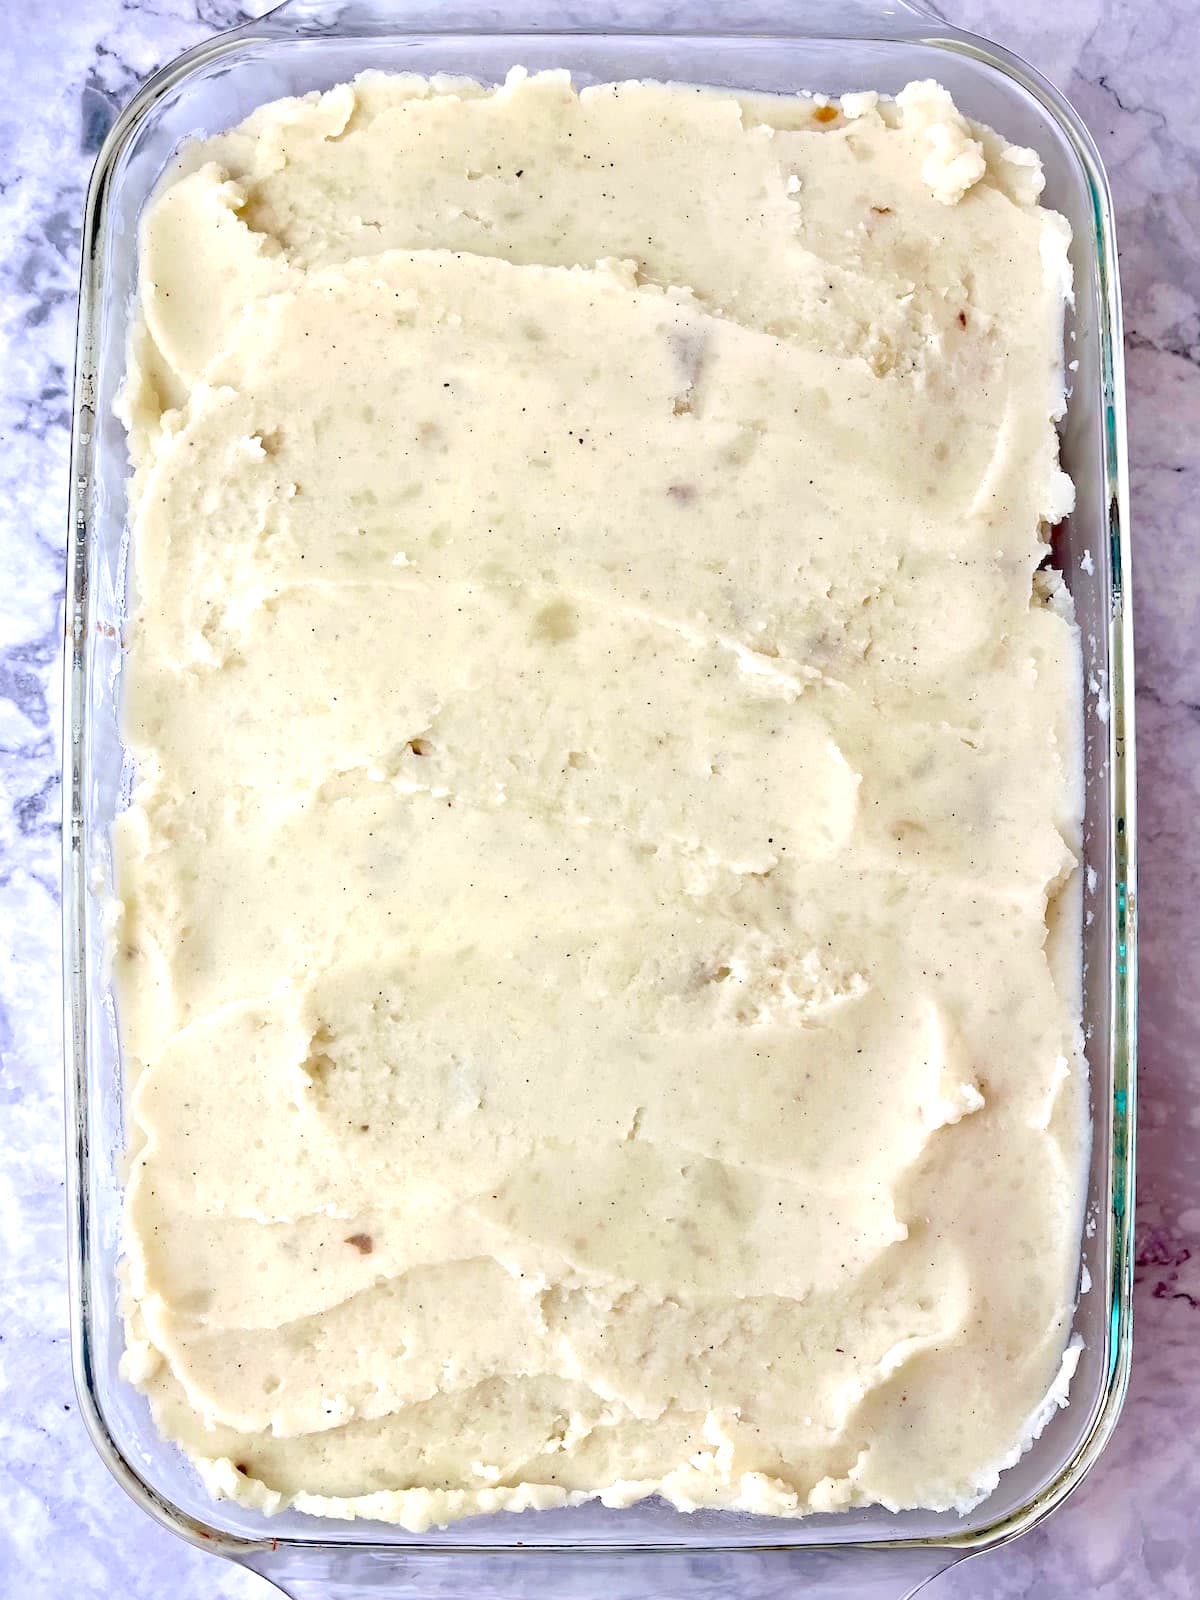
(608, 780)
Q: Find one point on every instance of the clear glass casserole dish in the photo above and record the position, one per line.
(832, 47)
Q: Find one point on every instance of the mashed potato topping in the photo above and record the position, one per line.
(596, 960)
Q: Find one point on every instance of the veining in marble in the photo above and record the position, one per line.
(1132, 1530)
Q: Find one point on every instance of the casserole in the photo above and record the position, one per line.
(305, 45)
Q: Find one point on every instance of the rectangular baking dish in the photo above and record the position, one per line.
(831, 47)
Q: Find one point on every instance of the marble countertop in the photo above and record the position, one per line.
(1132, 1530)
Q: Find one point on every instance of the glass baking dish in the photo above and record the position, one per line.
(832, 47)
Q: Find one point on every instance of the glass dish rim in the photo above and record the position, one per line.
(907, 26)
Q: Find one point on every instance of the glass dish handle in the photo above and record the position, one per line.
(830, 1573)
(816, 18)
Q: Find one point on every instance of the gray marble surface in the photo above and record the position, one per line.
(1133, 1529)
